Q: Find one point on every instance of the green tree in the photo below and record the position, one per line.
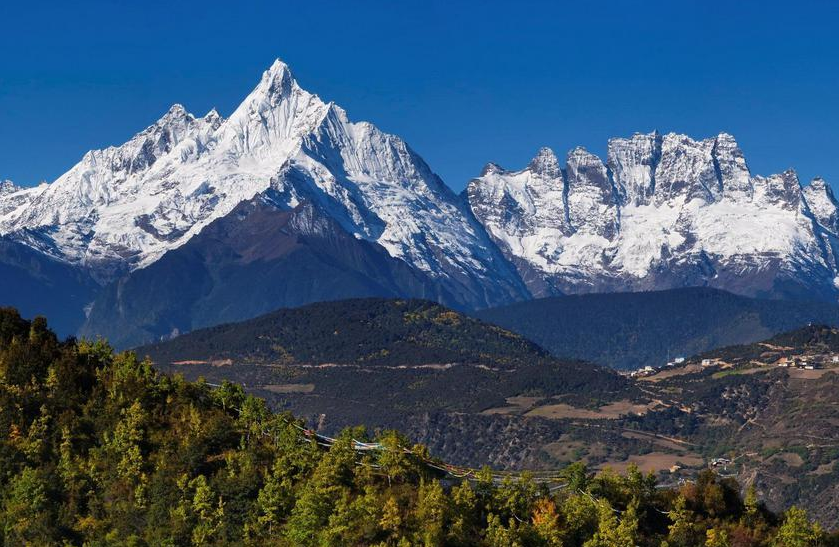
(682, 530)
(273, 503)
(431, 512)
(581, 515)
(498, 535)
(797, 530)
(394, 460)
(614, 532)
(717, 537)
(464, 514)
(391, 521)
(27, 518)
(208, 511)
(355, 520)
(309, 516)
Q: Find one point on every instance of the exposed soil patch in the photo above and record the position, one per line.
(804, 374)
(612, 411)
(662, 442)
(656, 461)
(670, 373)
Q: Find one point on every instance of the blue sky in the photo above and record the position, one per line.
(463, 82)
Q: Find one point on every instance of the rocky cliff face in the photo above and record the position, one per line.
(663, 211)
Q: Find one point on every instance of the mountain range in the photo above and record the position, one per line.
(201, 220)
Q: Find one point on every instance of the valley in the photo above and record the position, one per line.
(100, 447)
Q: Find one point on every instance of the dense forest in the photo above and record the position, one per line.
(98, 448)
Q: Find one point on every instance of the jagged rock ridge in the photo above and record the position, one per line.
(663, 211)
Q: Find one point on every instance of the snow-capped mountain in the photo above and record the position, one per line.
(124, 207)
(662, 211)
(119, 210)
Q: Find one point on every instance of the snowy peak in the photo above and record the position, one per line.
(782, 190)
(584, 169)
(633, 162)
(273, 117)
(8, 187)
(822, 204)
(545, 163)
(213, 119)
(663, 210)
(491, 169)
(591, 197)
(176, 115)
(732, 171)
(686, 170)
(124, 207)
(277, 81)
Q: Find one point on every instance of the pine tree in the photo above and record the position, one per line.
(391, 521)
(682, 530)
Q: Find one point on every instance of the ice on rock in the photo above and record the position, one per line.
(633, 162)
(823, 204)
(8, 187)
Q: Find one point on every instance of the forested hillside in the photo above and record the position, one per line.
(632, 330)
(99, 449)
(369, 331)
(407, 364)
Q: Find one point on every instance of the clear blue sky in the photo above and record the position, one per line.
(463, 82)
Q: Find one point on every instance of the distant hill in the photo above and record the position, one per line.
(412, 364)
(362, 331)
(778, 425)
(338, 338)
(630, 330)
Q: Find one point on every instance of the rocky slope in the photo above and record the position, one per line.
(663, 211)
(258, 259)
